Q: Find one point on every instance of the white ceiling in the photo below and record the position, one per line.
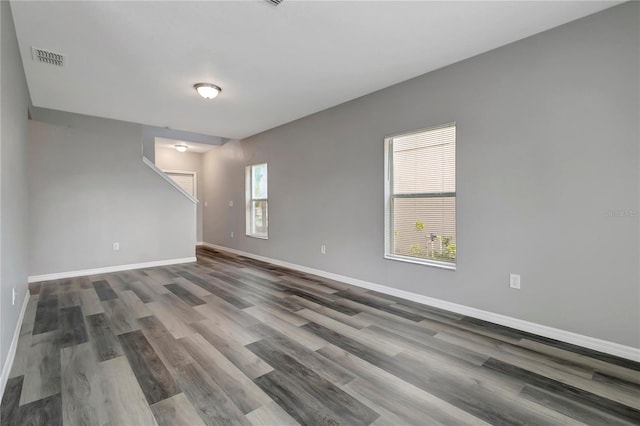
(138, 61)
(165, 143)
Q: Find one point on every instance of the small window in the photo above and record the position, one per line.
(257, 201)
(420, 205)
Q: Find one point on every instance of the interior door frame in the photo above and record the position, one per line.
(186, 172)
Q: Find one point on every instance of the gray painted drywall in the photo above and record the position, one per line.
(149, 143)
(170, 159)
(547, 144)
(13, 181)
(89, 188)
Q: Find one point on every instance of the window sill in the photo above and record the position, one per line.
(425, 262)
(260, 237)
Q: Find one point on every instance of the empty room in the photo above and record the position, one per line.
(291, 212)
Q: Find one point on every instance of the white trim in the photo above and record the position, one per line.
(248, 183)
(107, 269)
(163, 175)
(8, 363)
(420, 261)
(258, 236)
(182, 172)
(600, 345)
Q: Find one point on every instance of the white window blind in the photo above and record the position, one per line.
(421, 196)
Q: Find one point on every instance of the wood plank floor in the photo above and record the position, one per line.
(229, 340)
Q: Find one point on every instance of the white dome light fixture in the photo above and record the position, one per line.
(181, 148)
(207, 90)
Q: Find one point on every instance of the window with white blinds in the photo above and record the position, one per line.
(421, 196)
(257, 201)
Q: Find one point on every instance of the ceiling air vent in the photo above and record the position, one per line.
(274, 2)
(48, 57)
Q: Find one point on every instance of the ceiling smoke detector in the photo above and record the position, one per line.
(48, 57)
(274, 2)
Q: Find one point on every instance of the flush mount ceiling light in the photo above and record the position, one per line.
(207, 90)
(181, 148)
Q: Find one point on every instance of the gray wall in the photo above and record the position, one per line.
(89, 188)
(223, 181)
(548, 143)
(170, 159)
(149, 143)
(13, 181)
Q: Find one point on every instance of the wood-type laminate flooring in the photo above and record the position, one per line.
(233, 341)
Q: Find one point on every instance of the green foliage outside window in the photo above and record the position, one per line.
(438, 247)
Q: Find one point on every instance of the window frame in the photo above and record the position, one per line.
(249, 200)
(389, 197)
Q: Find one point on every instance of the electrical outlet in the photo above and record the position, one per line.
(514, 281)
(231, 234)
(206, 204)
(116, 246)
(323, 249)
(230, 203)
(13, 296)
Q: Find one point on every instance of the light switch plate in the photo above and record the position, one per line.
(514, 281)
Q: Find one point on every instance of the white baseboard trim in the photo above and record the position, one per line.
(8, 363)
(600, 345)
(107, 269)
